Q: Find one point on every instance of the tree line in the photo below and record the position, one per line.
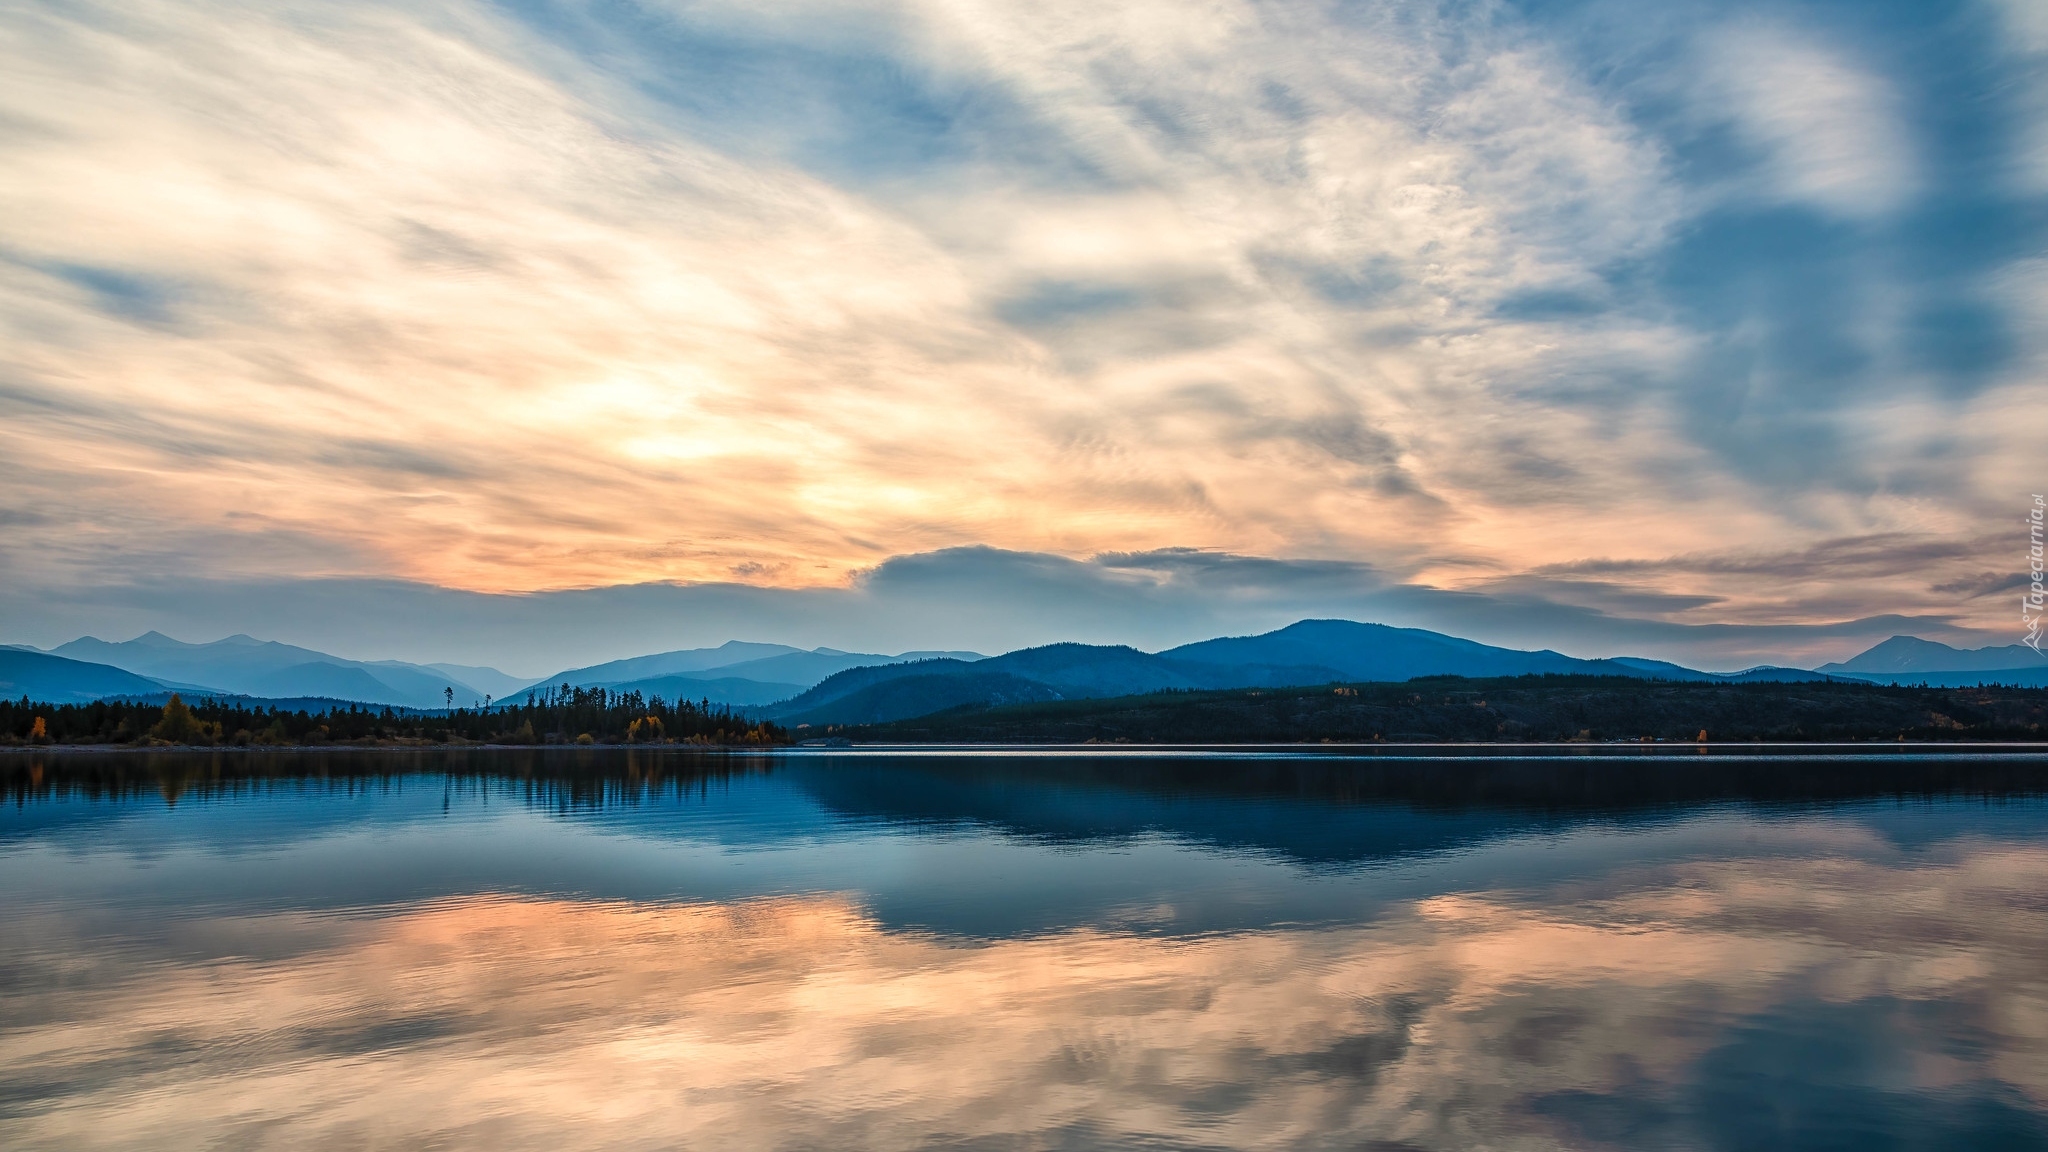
(556, 715)
(1541, 709)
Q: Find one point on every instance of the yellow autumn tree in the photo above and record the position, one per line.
(178, 726)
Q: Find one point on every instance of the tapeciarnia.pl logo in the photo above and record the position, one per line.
(2036, 599)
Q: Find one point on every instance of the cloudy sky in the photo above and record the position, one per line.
(1703, 329)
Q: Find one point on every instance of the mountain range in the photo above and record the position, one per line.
(738, 672)
(245, 666)
(1307, 652)
(822, 686)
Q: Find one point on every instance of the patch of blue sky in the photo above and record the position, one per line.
(849, 103)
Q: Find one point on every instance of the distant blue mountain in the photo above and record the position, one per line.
(488, 680)
(918, 694)
(778, 667)
(739, 673)
(1662, 669)
(1665, 670)
(1909, 659)
(45, 678)
(666, 664)
(730, 690)
(1308, 652)
(825, 685)
(245, 666)
(1357, 651)
(1776, 674)
(1353, 651)
(313, 704)
(802, 669)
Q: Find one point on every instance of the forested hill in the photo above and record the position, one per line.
(1525, 708)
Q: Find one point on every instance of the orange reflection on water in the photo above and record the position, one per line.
(503, 1022)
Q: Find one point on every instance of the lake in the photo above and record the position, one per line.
(1024, 950)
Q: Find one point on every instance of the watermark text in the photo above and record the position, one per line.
(2035, 601)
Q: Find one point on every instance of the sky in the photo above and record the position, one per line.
(543, 331)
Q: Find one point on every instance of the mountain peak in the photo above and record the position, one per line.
(154, 639)
(1913, 654)
(1903, 643)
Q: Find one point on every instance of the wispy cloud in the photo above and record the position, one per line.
(560, 294)
(1828, 126)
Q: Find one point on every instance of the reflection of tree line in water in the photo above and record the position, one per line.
(562, 715)
(877, 783)
(568, 777)
(1592, 783)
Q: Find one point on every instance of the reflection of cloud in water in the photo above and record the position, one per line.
(1728, 1004)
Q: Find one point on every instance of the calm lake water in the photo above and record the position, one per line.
(648, 950)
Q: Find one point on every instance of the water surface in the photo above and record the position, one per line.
(653, 950)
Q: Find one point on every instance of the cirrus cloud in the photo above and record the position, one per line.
(549, 295)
